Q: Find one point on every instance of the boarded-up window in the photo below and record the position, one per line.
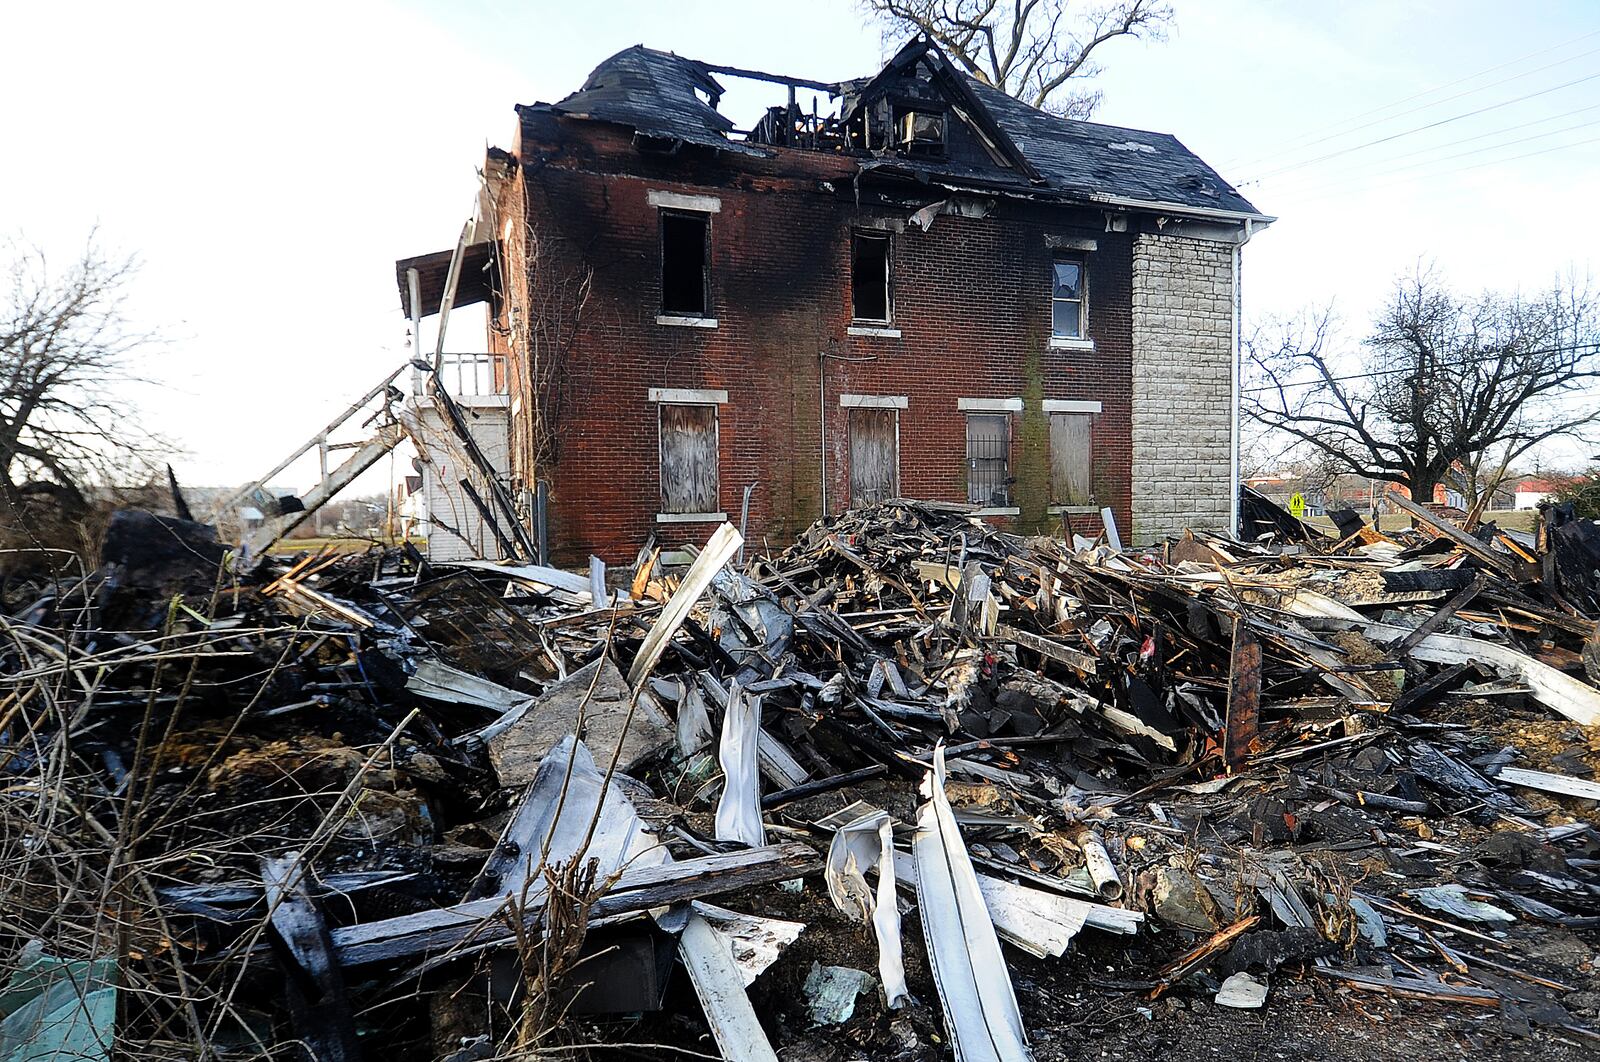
(989, 459)
(1071, 459)
(874, 455)
(685, 264)
(688, 459)
(869, 277)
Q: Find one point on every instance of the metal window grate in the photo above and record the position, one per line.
(989, 459)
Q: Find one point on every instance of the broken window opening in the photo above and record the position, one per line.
(1068, 299)
(689, 474)
(685, 263)
(871, 294)
(989, 459)
(1071, 459)
(919, 132)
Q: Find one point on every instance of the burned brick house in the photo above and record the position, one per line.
(934, 291)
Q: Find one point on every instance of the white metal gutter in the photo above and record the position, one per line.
(1235, 439)
(1161, 206)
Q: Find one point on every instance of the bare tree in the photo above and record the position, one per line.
(1446, 389)
(1034, 50)
(66, 358)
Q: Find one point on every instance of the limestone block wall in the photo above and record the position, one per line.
(1183, 308)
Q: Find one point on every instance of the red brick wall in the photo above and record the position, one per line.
(971, 300)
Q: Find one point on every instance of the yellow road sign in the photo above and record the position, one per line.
(1297, 505)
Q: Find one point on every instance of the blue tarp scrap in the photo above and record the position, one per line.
(58, 1010)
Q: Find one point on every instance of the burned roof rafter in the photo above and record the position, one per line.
(964, 103)
(670, 101)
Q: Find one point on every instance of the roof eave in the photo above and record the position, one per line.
(1178, 209)
(1019, 191)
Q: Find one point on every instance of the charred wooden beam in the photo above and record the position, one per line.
(777, 79)
(1468, 543)
(313, 982)
(822, 785)
(489, 921)
(1437, 620)
(1198, 956)
(1422, 693)
(1244, 697)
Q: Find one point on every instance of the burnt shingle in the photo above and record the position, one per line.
(655, 93)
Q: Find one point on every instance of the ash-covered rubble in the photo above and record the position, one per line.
(911, 788)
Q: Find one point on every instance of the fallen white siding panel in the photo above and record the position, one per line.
(1544, 781)
(739, 810)
(1554, 689)
(720, 986)
(980, 1007)
(721, 547)
(869, 842)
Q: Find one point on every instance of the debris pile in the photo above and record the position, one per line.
(911, 787)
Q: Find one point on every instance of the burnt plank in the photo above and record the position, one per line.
(313, 982)
(1424, 692)
(1468, 543)
(1244, 697)
(1437, 620)
(480, 922)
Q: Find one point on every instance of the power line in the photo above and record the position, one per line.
(1480, 136)
(1336, 182)
(1301, 144)
(1575, 348)
(1454, 170)
(1419, 129)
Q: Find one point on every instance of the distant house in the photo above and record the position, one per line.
(931, 290)
(1528, 493)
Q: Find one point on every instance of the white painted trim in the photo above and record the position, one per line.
(873, 401)
(686, 322)
(1062, 343)
(691, 518)
(1070, 405)
(989, 405)
(873, 330)
(483, 401)
(1057, 510)
(709, 204)
(1012, 510)
(1179, 209)
(1070, 243)
(688, 396)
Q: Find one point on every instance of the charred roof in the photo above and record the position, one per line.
(667, 97)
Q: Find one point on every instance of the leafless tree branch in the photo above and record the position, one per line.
(67, 365)
(1035, 50)
(1446, 389)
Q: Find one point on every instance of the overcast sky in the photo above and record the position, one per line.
(269, 163)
